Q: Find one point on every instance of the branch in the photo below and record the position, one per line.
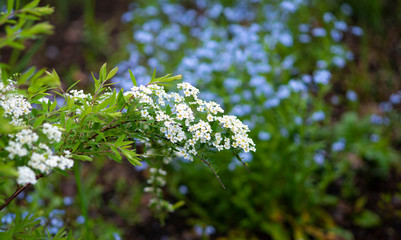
(16, 193)
(217, 176)
(204, 161)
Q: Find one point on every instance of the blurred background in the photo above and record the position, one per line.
(318, 83)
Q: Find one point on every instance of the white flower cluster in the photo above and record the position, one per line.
(25, 145)
(76, 95)
(157, 181)
(53, 133)
(25, 176)
(180, 125)
(15, 105)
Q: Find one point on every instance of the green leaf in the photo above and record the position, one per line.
(168, 109)
(39, 121)
(132, 78)
(10, 5)
(31, 4)
(112, 73)
(102, 72)
(120, 139)
(24, 77)
(117, 157)
(82, 157)
(131, 156)
(153, 76)
(76, 146)
(367, 219)
(73, 85)
(53, 106)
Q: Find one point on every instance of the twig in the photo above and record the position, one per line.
(217, 176)
(16, 193)
(243, 163)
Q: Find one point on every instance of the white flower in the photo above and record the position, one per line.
(27, 136)
(26, 176)
(16, 149)
(53, 133)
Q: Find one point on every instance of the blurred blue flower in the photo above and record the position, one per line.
(304, 38)
(328, 17)
(321, 64)
(80, 219)
(68, 201)
(322, 76)
(374, 138)
(209, 230)
(273, 102)
(319, 157)
(241, 110)
(340, 25)
(338, 61)
(8, 218)
(395, 98)
(303, 27)
(143, 36)
(264, 136)
(57, 222)
(283, 92)
(338, 146)
(336, 35)
(318, 116)
(127, 17)
(346, 9)
(284, 132)
(183, 189)
(198, 230)
(56, 212)
(143, 167)
(376, 119)
(319, 32)
(298, 120)
(385, 106)
(357, 31)
(352, 96)
(116, 236)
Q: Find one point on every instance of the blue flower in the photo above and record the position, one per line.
(352, 96)
(143, 36)
(322, 76)
(264, 136)
(319, 32)
(68, 201)
(183, 189)
(340, 25)
(273, 102)
(303, 27)
(338, 146)
(338, 61)
(318, 116)
(374, 138)
(319, 157)
(288, 6)
(304, 38)
(357, 31)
